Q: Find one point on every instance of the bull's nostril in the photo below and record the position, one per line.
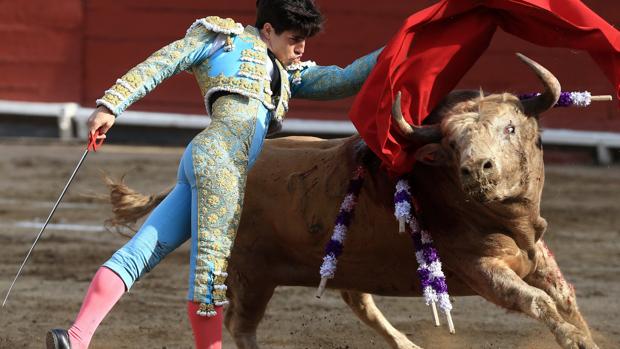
(487, 165)
(465, 171)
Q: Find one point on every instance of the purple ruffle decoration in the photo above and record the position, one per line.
(344, 218)
(524, 96)
(439, 285)
(565, 100)
(430, 254)
(401, 196)
(424, 275)
(334, 248)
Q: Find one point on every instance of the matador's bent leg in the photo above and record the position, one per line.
(166, 228)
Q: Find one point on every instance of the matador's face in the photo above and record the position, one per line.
(288, 46)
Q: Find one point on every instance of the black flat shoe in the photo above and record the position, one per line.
(57, 339)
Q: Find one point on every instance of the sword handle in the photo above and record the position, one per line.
(93, 141)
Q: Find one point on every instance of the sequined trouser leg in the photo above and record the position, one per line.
(206, 201)
(220, 157)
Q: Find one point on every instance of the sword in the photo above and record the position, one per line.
(93, 144)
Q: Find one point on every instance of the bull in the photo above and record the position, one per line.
(478, 181)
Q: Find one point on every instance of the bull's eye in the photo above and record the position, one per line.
(510, 129)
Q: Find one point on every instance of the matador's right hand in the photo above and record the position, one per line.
(100, 120)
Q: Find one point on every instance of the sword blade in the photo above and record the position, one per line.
(44, 225)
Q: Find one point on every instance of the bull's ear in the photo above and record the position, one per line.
(432, 154)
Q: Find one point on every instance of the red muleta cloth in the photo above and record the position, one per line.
(436, 46)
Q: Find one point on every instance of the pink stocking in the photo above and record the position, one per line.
(104, 291)
(207, 330)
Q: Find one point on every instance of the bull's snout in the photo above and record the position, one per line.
(479, 178)
(474, 170)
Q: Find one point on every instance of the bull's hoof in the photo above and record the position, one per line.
(57, 339)
(578, 340)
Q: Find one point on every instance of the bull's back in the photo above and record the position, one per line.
(293, 195)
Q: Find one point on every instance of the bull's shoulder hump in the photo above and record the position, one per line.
(295, 142)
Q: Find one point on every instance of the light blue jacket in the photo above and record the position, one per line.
(225, 56)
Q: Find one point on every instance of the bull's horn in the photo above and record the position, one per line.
(418, 134)
(545, 101)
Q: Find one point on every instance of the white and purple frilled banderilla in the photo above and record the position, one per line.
(343, 220)
(432, 278)
(572, 99)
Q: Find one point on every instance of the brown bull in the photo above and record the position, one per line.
(478, 182)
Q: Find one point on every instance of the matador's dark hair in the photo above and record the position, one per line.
(300, 16)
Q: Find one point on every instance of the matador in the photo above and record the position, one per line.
(247, 76)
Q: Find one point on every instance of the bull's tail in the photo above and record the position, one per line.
(128, 205)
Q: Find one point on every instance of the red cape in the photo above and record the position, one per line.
(436, 46)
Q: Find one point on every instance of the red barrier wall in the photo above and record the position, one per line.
(40, 50)
(72, 50)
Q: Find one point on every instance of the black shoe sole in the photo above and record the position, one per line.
(50, 341)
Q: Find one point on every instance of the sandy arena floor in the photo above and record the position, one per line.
(581, 204)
